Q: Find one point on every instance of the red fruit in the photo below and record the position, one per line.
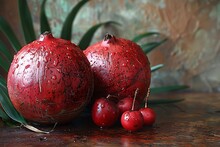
(50, 80)
(148, 115)
(104, 112)
(126, 105)
(120, 67)
(132, 120)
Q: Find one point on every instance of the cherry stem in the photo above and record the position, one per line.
(109, 95)
(146, 99)
(135, 95)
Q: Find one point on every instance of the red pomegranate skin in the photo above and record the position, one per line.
(50, 80)
(120, 67)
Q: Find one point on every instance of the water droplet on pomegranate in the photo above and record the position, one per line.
(54, 77)
(55, 62)
(123, 64)
(45, 60)
(103, 106)
(59, 70)
(27, 66)
(48, 81)
(16, 60)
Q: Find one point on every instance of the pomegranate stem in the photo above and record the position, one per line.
(107, 36)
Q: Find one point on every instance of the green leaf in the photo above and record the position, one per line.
(5, 64)
(9, 108)
(148, 47)
(5, 51)
(67, 26)
(156, 67)
(162, 89)
(3, 115)
(164, 101)
(3, 83)
(44, 24)
(6, 29)
(26, 21)
(141, 36)
(87, 37)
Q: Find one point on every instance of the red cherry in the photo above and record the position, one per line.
(126, 105)
(149, 116)
(104, 112)
(132, 120)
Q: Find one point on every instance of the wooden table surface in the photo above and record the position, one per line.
(192, 122)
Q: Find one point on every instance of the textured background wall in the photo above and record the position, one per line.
(191, 55)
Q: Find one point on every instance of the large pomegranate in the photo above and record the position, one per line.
(120, 67)
(50, 80)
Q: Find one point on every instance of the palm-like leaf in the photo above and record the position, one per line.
(7, 31)
(9, 108)
(44, 24)
(144, 35)
(87, 37)
(26, 21)
(67, 26)
(156, 67)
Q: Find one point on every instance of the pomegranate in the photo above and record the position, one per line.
(50, 80)
(120, 67)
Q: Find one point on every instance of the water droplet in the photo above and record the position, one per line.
(48, 81)
(16, 60)
(126, 117)
(123, 64)
(102, 105)
(45, 60)
(55, 62)
(27, 66)
(54, 77)
(69, 57)
(59, 70)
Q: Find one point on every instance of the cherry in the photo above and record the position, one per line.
(148, 114)
(126, 105)
(104, 112)
(132, 120)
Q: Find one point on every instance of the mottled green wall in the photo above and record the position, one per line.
(191, 56)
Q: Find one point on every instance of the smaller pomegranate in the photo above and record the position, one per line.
(120, 67)
(132, 120)
(104, 112)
